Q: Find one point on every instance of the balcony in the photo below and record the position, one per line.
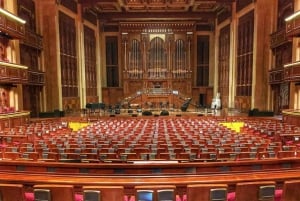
(11, 25)
(293, 25)
(292, 71)
(36, 78)
(33, 39)
(13, 73)
(276, 76)
(278, 38)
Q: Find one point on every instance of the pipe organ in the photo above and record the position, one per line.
(157, 59)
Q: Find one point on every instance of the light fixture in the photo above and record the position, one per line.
(8, 14)
(292, 64)
(294, 15)
(13, 65)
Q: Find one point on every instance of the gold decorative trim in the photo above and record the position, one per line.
(12, 115)
(13, 65)
(12, 16)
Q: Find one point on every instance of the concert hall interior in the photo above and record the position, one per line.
(149, 100)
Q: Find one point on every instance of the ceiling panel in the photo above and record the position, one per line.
(116, 10)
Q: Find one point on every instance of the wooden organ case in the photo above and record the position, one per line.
(157, 62)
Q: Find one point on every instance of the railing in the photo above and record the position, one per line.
(11, 24)
(293, 24)
(13, 73)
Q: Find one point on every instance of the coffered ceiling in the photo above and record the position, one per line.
(152, 10)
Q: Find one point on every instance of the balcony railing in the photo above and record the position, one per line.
(293, 25)
(13, 73)
(33, 39)
(292, 71)
(36, 78)
(278, 38)
(276, 76)
(11, 25)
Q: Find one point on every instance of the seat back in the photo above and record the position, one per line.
(144, 195)
(165, 195)
(42, 195)
(255, 191)
(218, 194)
(291, 190)
(155, 193)
(92, 195)
(103, 193)
(266, 193)
(207, 192)
(54, 192)
(9, 192)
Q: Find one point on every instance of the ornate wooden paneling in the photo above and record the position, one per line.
(90, 61)
(68, 56)
(245, 55)
(224, 51)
